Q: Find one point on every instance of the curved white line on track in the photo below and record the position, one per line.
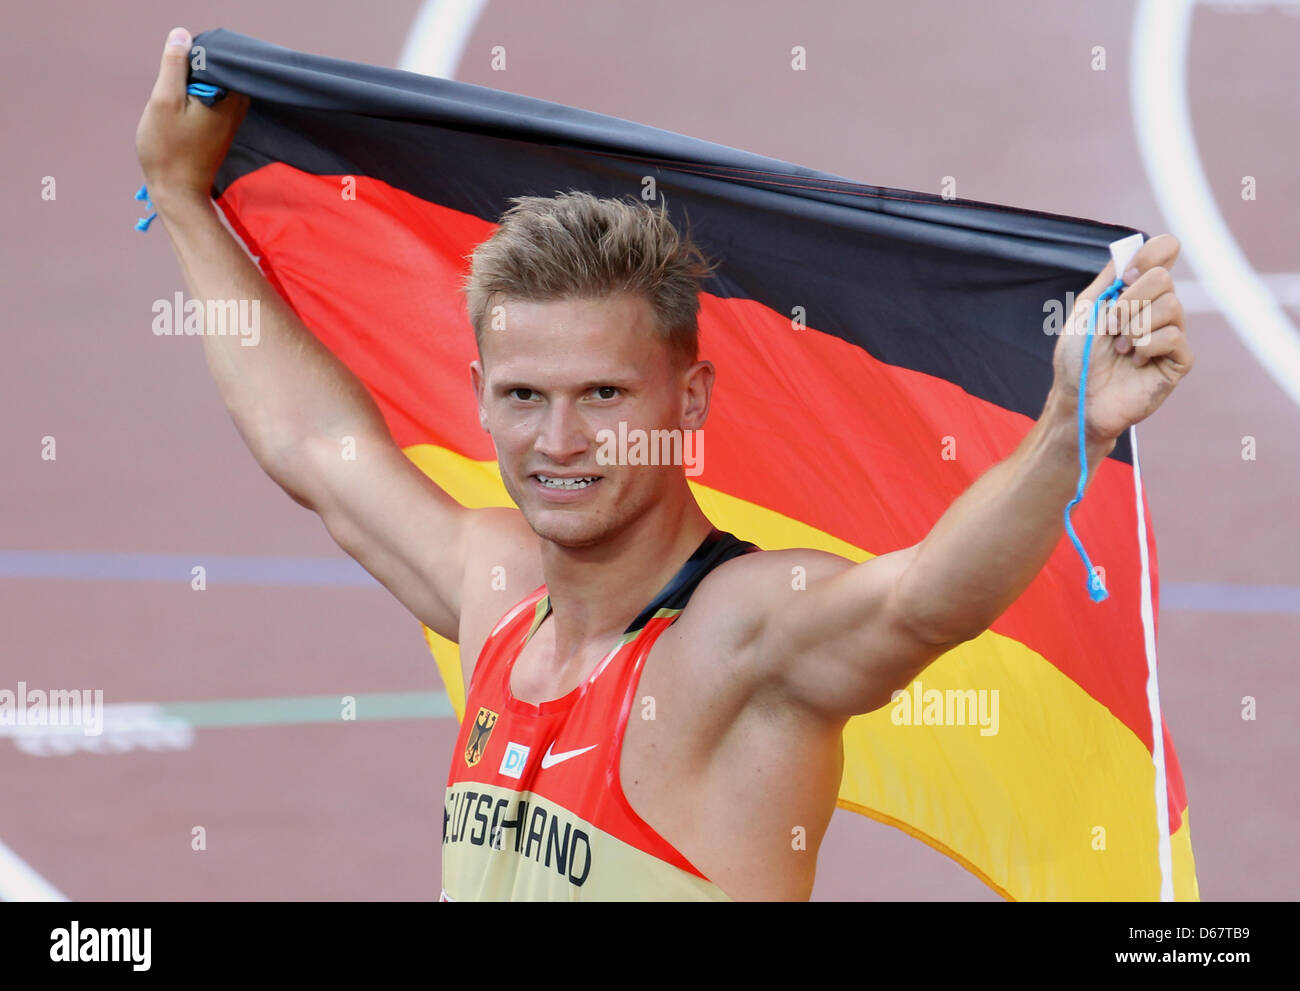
(1284, 287)
(438, 37)
(1158, 94)
(19, 883)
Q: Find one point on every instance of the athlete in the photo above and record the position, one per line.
(661, 715)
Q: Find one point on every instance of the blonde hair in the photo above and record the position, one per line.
(575, 245)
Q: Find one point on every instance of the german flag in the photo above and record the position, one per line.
(877, 350)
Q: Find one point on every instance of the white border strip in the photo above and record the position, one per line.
(1158, 94)
(439, 35)
(19, 883)
(1153, 688)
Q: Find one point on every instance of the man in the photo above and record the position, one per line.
(665, 711)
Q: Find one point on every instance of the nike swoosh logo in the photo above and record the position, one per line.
(550, 760)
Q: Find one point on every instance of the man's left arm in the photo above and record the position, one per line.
(859, 632)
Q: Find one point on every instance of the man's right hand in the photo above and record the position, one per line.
(180, 142)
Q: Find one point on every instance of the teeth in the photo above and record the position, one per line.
(565, 483)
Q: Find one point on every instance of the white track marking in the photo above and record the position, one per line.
(1163, 848)
(1158, 94)
(19, 883)
(1284, 287)
(439, 35)
(126, 727)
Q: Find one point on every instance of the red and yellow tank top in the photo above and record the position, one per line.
(534, 807)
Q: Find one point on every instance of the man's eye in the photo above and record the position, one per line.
(607, 391)
(523, 395)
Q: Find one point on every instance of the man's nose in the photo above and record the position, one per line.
(563, 434)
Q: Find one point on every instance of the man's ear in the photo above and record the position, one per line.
(697, 382)
(480, 382)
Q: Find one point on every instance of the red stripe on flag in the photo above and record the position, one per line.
(788, 402)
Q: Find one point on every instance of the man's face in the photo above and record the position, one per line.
(551, 380)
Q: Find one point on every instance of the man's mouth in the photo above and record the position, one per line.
(558, 482)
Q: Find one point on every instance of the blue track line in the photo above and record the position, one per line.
(342, 572)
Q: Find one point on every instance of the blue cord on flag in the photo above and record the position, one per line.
(1096, 588)
(143, 223)
(207, 94)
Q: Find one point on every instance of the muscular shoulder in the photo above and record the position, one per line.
(738, 594)
(727, 615)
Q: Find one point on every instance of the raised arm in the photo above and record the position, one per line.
(292, 401)
(860, 632)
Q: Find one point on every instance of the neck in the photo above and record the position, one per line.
(595, 592)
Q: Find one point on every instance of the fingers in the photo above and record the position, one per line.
(169, 88)
(1143, 306)
(1149, 315)
(1169, 342)
(1147, 319)
(1153, 329)
(1150, 285)
(1138, 319)
(1159, 252)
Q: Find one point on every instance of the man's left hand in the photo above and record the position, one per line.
(1140, 350)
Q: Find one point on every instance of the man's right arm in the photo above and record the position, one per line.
(292, 401)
